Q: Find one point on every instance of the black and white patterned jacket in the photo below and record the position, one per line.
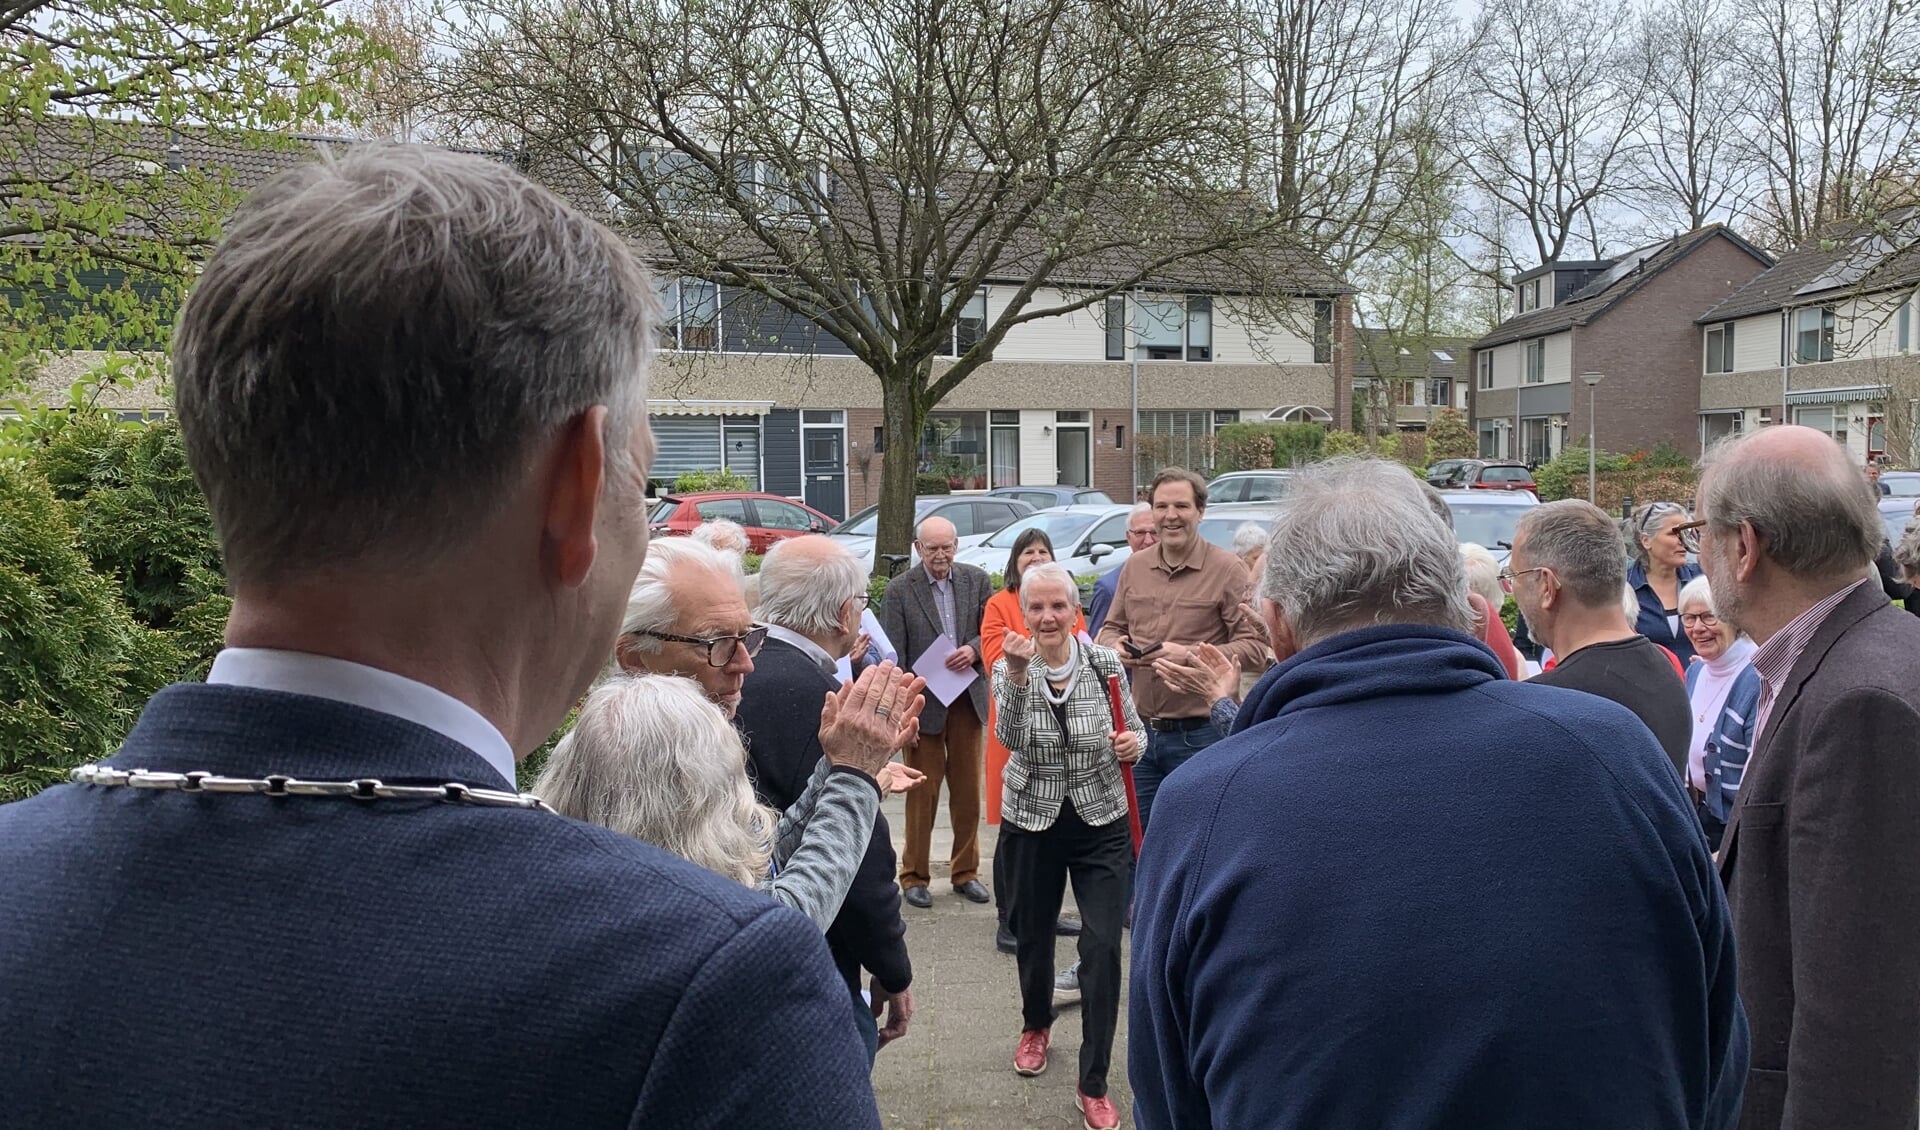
(1045, 766)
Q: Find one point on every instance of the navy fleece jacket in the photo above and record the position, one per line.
(1408, 893)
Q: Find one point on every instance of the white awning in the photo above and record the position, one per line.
(1847, 395)
(1300, 414)
(709, 407)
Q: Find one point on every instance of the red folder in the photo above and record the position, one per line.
(1126, 771)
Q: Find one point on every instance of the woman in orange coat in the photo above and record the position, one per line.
(1003, 614)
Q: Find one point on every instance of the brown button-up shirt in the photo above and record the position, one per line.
(1199, 602)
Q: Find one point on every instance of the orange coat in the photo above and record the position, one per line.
(1003, 613)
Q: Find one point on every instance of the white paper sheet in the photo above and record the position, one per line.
(943, 684)
(870, 625)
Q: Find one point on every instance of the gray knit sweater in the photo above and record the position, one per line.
(821, 840)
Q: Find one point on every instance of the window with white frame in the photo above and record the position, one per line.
(689, 313)
(1537, 361)
(1527, 296)
(1485, 360)
(1812, 335)
(1174, 439)
(970, 326)
(1903, 328)
(1199, 328)
(1159, 328)
(1224, 416)
(1323, 332)
(1720, 348)
(1117, 328)
(1439, 393)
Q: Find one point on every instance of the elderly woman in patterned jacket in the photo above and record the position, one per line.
(1064, 815)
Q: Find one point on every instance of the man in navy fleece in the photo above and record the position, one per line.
(1408, 892)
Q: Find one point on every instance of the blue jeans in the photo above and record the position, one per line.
(1167, 750)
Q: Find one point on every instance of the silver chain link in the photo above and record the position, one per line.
(363, 788)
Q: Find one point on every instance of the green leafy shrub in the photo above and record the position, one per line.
(1255, 446)
(1449, 437)
(927, 482)
(1345, 443)
(700, 482)
(75, 666)
(1566, 475)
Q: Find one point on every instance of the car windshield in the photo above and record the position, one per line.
(1902, 486)
(1506, 475)
(1487, 526)
(867, 521)
(1062, 530)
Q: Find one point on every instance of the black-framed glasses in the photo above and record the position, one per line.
(720, 649)
(863, 599)
(1704, 619)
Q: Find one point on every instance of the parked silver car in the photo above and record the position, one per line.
(973, 518)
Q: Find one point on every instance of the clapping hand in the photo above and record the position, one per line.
(897, 778)
(1207, 672)
(865, 721)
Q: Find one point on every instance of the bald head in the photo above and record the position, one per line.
(1799, 494)
(936, 543)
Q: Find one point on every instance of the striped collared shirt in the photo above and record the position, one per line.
(1774, 659)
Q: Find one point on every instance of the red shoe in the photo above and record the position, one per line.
(1097, 1114)
(1030, 1058)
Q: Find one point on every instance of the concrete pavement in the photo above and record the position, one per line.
(954, 1068)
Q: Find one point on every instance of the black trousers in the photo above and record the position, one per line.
(1038, 866)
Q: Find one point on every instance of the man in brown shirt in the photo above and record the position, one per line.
(1184, 591)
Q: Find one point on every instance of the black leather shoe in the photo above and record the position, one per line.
(1067, 927)
(973, 890)
(1003, 940)
(918, 896)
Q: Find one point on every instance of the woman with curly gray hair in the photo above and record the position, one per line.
(653, 758)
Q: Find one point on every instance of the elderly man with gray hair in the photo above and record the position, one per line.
(412, 384)
(1397, 848)
(1821, 855)
(1568, 578)
(811, 594)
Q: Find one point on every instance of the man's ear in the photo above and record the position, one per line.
(575, 480)
(1747, 554)
(1279, 631)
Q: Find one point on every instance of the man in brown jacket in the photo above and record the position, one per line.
(1181, 592)
(1821, 856)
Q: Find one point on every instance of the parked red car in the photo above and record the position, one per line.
(768, 518)
(1480, 475)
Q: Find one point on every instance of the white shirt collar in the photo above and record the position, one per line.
(322, 676)
(807, 647)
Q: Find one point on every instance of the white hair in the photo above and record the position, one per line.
(1355, 545)
(652, 758)
(1483, 573)
(1630, 603)
(1248, 538)
(651, 606)
(1050, 571)
(723, 534)
(1138, 509)
(1697, 589)
(803, 591)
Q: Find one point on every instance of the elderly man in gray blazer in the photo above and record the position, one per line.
(1821, 856)
(934, 598)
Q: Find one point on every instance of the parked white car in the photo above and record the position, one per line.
(1488, 517)
(973, 517)
(1075, 531)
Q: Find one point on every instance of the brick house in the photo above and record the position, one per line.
(1629, 319)
(1826, 338)
(741, 384)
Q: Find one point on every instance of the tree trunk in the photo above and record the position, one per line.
(899, 465)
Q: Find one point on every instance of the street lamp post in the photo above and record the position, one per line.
(1593, 380)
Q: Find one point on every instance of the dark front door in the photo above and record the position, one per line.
(824, 465)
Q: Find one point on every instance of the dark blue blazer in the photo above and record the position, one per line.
(169, 959)
(1652, 622)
